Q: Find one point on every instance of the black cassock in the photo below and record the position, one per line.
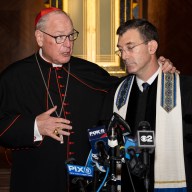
(40, 166)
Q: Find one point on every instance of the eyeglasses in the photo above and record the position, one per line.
(61, 38)
(128, 48)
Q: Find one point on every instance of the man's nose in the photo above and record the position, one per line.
(125, 54)
(67, 42)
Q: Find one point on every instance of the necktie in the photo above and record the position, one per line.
(145, 86)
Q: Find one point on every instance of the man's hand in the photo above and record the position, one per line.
(167, 65)
(53, 126)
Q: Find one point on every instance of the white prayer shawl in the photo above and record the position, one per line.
(123, 109)
(169, 154)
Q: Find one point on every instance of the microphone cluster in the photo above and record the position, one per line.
(102, 157)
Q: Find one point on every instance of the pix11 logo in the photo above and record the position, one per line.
(80, 170)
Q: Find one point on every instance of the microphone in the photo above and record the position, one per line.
(117, 130)
(145, 136)
(138, 150)
(130, 146)
(116, 119)
(98, 156)
(133, 157)
(146, 143)
(98, 140)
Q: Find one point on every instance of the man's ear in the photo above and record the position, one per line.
(152, 46)
(39, 38)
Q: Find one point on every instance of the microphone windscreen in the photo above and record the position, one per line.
(144, 125)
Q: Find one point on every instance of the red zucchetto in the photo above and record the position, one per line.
(44, 12)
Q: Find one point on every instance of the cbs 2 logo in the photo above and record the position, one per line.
(147, 138)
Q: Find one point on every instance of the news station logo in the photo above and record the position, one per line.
(80, 170)
(146, 138)
(97, 132)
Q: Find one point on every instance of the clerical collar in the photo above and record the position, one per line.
(53, 64)
(149, 81)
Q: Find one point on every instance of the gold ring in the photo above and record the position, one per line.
(56, 132)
